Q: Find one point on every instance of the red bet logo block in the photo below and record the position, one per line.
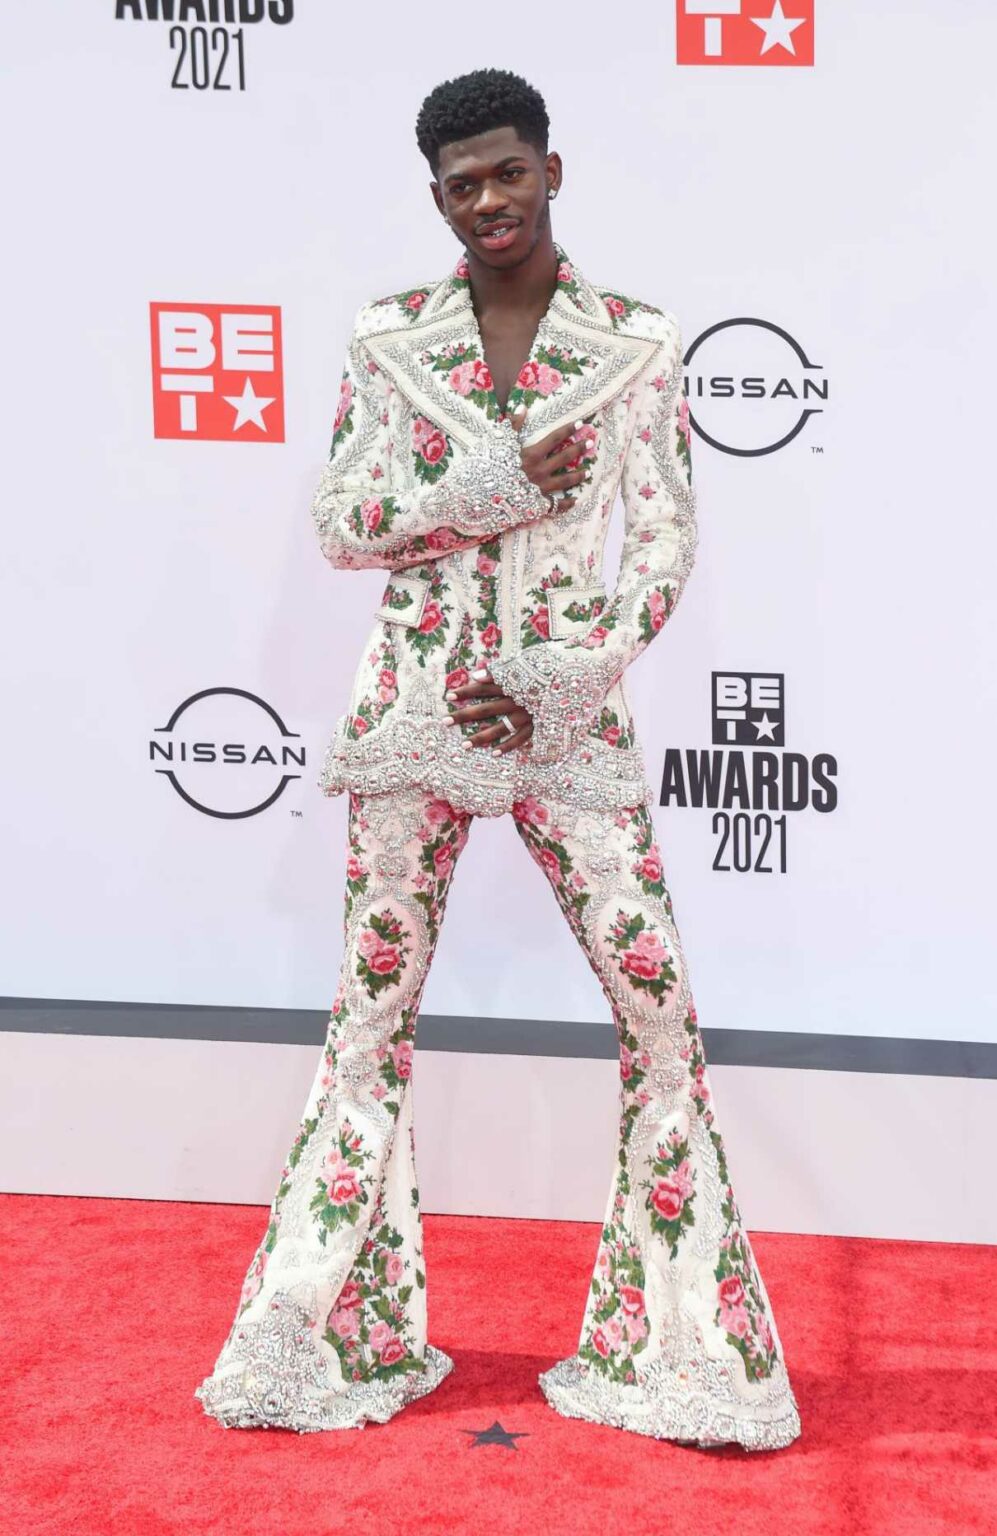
(744, 32)
(217, 372)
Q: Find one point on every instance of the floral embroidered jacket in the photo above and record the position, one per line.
(424, 480)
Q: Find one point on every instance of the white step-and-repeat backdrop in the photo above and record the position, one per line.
(806, 191)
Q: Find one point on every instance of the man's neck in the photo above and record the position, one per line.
(527, 286)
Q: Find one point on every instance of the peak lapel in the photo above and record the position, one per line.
(577, 363)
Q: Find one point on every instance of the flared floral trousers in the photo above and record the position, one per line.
(678, 1339)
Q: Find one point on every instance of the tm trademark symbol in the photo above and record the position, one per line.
(816, 448)
(297, 813)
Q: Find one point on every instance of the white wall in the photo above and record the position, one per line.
(844, 203)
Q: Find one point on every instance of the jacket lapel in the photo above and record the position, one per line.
(577, 363)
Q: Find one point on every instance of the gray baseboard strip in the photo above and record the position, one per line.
(501, 1037)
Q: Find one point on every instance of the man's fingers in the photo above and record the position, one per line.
(488, 690)
(484, 711)
(518, 739)
(553, 438)
(564, 454)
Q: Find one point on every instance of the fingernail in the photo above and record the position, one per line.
(449, 720)
(450, 695)
(481, 675)
(578, 425)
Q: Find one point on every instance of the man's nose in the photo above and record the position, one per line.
(490, 198)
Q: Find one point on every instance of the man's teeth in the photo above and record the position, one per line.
(503, 230)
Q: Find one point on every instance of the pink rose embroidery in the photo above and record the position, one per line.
(531, 811)
(432, 618)
(384, 961)
(632, 1299)
(646, 957)
(349, 1296)
(549, 863)
(441, 539)
(600, 1343)
(341, 1180)
(730, 1292)
(548, 379)
(667, 1200)
(433, 447)
(394, 1268)
(462, 378)
(393, 1351)
(345, 401)
(527, 376)
(345, 1324)
(737, 1322)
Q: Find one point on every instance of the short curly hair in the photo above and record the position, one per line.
(473, 103)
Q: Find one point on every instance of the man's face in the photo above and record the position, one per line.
(493, 189)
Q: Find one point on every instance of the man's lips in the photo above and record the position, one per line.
(496, 241)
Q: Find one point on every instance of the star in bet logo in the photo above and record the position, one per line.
(744, 32)
(217, 372)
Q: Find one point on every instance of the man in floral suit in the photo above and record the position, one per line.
(485, 424)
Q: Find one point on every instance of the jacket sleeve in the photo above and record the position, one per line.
(362, 521)
(563, 685)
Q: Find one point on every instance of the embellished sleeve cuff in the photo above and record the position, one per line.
(488, 490)
(561, 693)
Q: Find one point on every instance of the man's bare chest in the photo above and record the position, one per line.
(505, 352)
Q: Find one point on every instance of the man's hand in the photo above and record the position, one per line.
(485, 703)
(544, 461)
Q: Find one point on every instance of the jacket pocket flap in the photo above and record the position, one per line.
(404, 600)
(573, 608)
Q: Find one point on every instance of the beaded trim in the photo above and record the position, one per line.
(420, 750)
(280, 1380)
(694, 1402)
(560, 691)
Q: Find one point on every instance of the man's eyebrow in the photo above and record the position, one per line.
(499, 165)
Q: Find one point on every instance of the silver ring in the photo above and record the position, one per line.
(509, 727)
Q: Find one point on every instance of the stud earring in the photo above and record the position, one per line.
(551, 193)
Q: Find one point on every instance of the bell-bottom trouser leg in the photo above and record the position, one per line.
(330, 1330)
(678, 1339)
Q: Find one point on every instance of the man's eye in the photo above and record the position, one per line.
(514, 170)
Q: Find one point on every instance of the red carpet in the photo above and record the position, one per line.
(114, 1311)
